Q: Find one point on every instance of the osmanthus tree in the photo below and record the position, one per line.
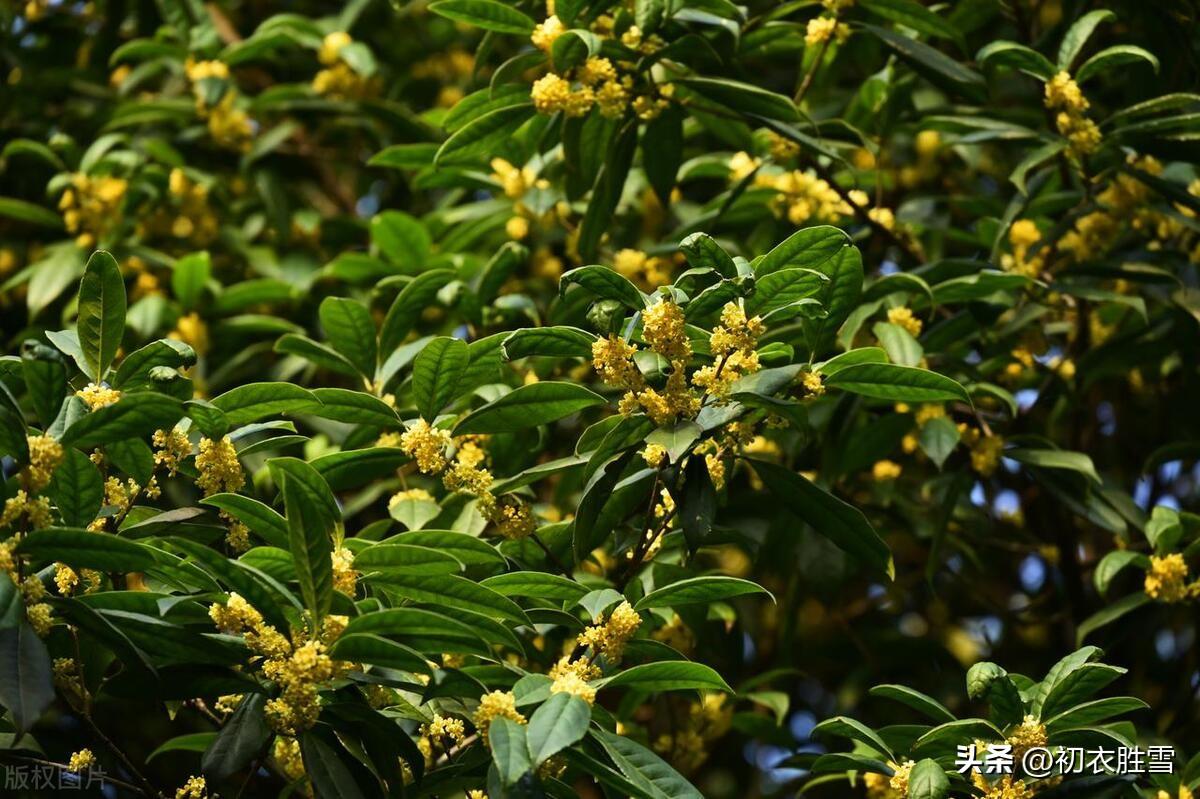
(498, 399)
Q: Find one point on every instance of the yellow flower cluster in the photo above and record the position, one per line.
(741, 165)
(339, 81)
(426, 445)
(985, 450)
(903, 317)
(513, 181)
(191, 330)
(664, 330)
(608, 637)
(497, 704)
(647, 272)
(444, 729)
(188, 216)
(1023, 235)
(45, 454)
(194, 788)
(1063, 94)
(1005, 788)
(803, 197)
(821, 29)
(707, 721)
(1029, 734)
(97, 396)
(545, 33)
(885, 470)
(81, 761)
(91, 207)
(219, 468)
(228, 125)
(1166, 580)
(345, 578)
(512, 516)
(572, 676)
(733, 344)
(286, 752)
(299, 667)
(171, 448)
(410, 495)
(612, 358)
(655, 455)
(35, 510)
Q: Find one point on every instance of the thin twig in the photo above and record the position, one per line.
(147, 787)
(64, 767)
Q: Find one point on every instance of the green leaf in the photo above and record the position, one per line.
(669, 675)
(561, 721)
(900, 345)
(774, 290)
(451, 591)
(1017, 56)
(241, 738)
(662, 152)
(405, 156)
(132, 416)
(1077, 686)
(12, 603)
(850, 729)
(1113, 564)
(405, 558)
(607, 190)
(1091, 713)
(486, 14)
(23, 211)
(935, 66)
(481, 135)
(703, 252)
(84, 549)
(845, 271)
(26, 687)
(1113, 57)
(744, 98)
(467, 549)
(254, 401)
(699, 590)
(529, 406)
(644, 769)
(572, 48)
(938, 439)
(353, 407)
(841, 523)
(536, 584)
(404, 241)
(262, 520)
(349, 327)
(918, 701)
(928, 780)
(1055, 459)
(77, 489)
(697, 503)
(376, 650)
(325, 761)
(408, 306)
(913, 15)
(605, 283)
(1110, 613)
(889, 381)
(510, 750)
(101, 319)
(436, 373)
(558, 341)
(808, 248)
(355, 467)
(189, 277)
(312, 516)
(136, 367)
(192, 742)
(1078, 34)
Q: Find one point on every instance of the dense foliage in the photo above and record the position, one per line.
(658, 399)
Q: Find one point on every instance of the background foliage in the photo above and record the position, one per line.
(410, 398)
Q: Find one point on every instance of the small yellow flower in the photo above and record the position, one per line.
(497, 704)
(654, 455)
(903, 317)
(885, 470)
(545, 33)
(98, 396)
(219, 468)
(1166, 580)
(194, 788)
(45, 455)
(608, 637)
(81, 760)
(426, 445)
